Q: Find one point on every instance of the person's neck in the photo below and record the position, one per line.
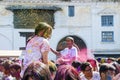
(103, 78)
(88, 77)
(70, 47)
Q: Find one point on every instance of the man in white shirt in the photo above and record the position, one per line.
(88, 73)
(69, 54)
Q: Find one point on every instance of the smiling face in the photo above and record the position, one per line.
(69, 42)
(88, 72)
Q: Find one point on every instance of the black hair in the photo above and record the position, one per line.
(103, 68)
(84, 65)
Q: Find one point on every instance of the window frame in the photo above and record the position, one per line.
(71, 11)
(107, 20)
(105, 35)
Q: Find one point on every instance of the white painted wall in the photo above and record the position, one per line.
(109, 9)
(6, 40)
(6, 29)
(85, 24)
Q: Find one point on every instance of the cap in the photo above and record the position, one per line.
(70, 38)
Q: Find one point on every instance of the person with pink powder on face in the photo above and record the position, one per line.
(69, 54)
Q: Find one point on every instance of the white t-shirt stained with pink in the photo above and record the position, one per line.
(34, 49)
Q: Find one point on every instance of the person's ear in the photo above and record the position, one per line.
(41, 33)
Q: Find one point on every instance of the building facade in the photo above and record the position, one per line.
(94, 24)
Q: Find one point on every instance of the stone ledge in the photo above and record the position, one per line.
(14, 7)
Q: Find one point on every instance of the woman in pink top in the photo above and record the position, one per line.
(38, 47)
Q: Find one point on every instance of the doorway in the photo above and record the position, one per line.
(78, 41)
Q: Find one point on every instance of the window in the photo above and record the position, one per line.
(107, 36)
(28, 18)
(71, 11)
(26, 35)
(107, 20)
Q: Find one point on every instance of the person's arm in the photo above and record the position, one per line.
(45, 57)
(55, 52)
(75, 53)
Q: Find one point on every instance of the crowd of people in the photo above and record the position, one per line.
(35, 64)
(92, 69)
